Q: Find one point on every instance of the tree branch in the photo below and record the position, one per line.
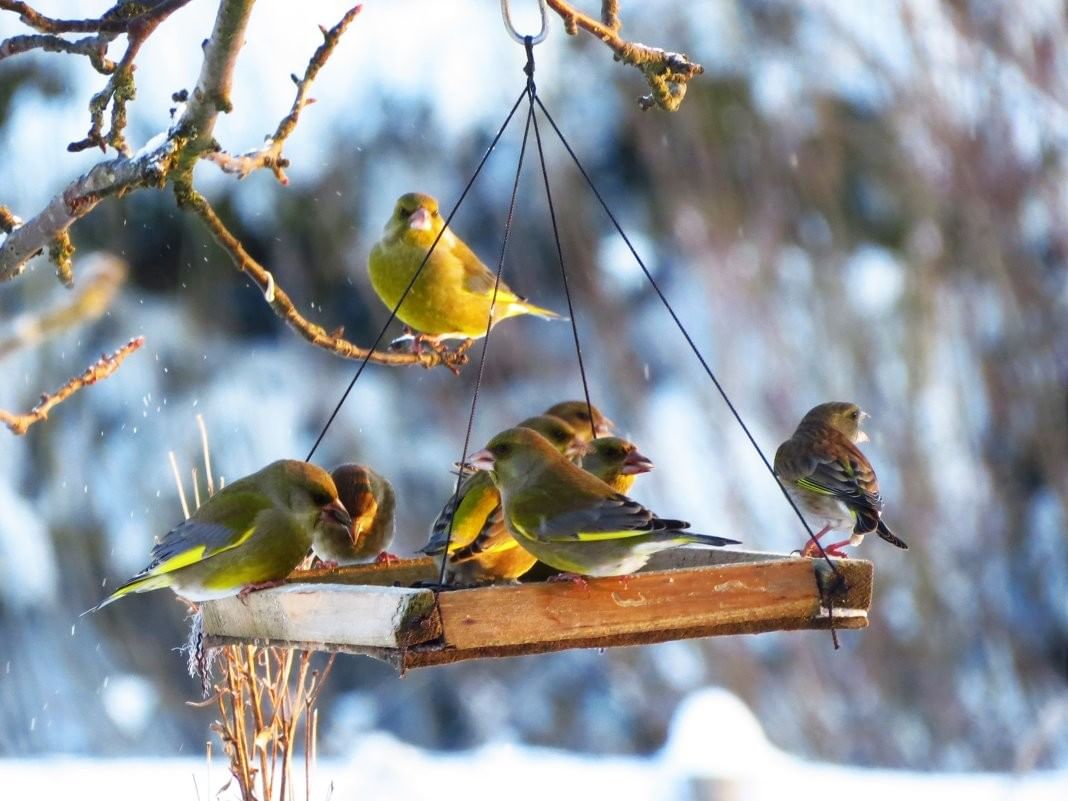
(270, 155)
(281, 304)
(667, 73)
(117, 19)
(102, 368)
(95, 48)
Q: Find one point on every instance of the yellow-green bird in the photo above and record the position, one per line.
(451, 298)
(577, 415)
(830, 479)
(570, 519)
(249, 535)
(370, 500)
(476, 514)
(616, 462)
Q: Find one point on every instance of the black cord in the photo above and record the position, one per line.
(460, 474)
(407, 289)
(687, 337)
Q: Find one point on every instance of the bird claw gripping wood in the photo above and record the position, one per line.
(830, 583)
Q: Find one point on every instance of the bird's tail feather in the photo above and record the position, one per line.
(890, 536)
(525, 307)
(142, 584)
(705, 540)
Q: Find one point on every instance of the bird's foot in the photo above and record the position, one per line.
(386, 558)
(835, 549)
(327, 564)
(574, 579)
(248, 589)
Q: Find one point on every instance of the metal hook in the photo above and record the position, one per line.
(536, 39)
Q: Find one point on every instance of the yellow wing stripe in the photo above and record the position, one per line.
(197, 554)
(806, 484)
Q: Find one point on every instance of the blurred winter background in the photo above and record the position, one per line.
(859, 201)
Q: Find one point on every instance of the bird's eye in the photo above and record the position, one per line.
(502, 450)
(855, 414)
(321, 498)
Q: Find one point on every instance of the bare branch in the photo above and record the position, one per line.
(270, 155)
(102, 368)
(94, 47)
(112, 177)
(667, 73)
(281, 304)
(104, 276)
(118, 19)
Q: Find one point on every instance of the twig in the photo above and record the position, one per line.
(667, 73)
(105, 366)
(270, 154)
(95, 48)
(118, 19)
(96, 290)
(282, 306)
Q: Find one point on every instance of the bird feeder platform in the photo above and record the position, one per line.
(682, 594)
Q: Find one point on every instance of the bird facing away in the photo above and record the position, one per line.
(452, 296)
(248, 535)
(577, 415)
(477, 515)
(370, 500)
(830, 479)
(616, 462)
(570, 519)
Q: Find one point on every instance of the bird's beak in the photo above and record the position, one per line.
(419, 220)
(605, 427)
(634, 463)
(335, 512)
(862, 436)
(481, 460)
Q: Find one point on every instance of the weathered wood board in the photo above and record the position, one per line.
(690, 593)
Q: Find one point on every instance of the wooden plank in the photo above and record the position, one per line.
(402, 574)
(656, 601)
(327, 615)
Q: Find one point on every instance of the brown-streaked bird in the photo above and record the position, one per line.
(830, 479)
(370, 500)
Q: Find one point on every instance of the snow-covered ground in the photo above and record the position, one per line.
(716, 750)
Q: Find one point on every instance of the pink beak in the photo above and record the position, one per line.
(481, 460)
(634, 463)
(419, 220)
(336, 512)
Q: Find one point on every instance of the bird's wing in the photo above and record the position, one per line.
(478, 278)
(611, 518)
(840, 470)
(225, 522)
(467, 500)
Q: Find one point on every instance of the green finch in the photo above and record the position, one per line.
(577, 415)
(616, 462)
(370, 500)
(477, 514)
(451, 298)
(248, 535)
(570, 519)
(830, 479)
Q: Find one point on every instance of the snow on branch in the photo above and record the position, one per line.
(102, 368)
(667, 73)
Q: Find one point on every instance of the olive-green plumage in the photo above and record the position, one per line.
(452, 296)
(830, 479)
(577, 415)
(570, 519)
(616, 462)
(370, 500)
(478, 517)
(253, 531)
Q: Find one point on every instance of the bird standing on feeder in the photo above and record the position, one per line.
(616, 462)
(577, 415)
(452, 296)
(247, 536)
(570, 519)
(830, 479)
(476, 514)
(370, 500)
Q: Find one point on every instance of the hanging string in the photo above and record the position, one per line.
(688, 338)
(532, 91)
(461, 473)
(415, 277)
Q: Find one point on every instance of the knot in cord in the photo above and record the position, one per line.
(528, 44)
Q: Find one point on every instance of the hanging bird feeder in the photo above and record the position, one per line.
(402, 614)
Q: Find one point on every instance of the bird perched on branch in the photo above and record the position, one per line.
(616, 462)
(476, 514)
(247, 536)
(830, 479)
(370, 500)
(577, 415)
(570, 519)
(451, 297)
